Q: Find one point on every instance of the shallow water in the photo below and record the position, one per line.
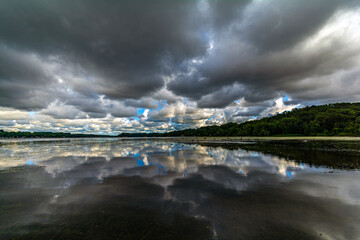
(153, 189)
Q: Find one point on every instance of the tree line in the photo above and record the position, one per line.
(4, 134)
(340, 119)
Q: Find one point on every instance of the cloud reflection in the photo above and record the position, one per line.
(113, 157)
(241, 193)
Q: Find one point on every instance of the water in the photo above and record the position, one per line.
(152, 189)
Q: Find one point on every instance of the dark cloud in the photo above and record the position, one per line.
(21, 75)
(267, 59)
(141, 103)
(108, 58)
(116, 47)
(277, 25)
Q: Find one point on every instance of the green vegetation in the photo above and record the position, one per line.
(4, 134)
(340, 119)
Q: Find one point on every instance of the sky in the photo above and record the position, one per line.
(110, 66)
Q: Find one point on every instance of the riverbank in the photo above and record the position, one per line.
(246, 139)
(202, 139)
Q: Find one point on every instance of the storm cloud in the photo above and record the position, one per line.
(113, 66)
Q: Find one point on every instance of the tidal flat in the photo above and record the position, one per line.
(180, 188)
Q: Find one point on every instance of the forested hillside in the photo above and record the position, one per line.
(4, 134)
(340, 119)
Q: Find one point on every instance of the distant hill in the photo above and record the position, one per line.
(340, 119)
(4, 134)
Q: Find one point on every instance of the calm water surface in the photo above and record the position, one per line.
(147, 189)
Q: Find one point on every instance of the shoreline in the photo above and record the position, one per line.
(201, 139)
